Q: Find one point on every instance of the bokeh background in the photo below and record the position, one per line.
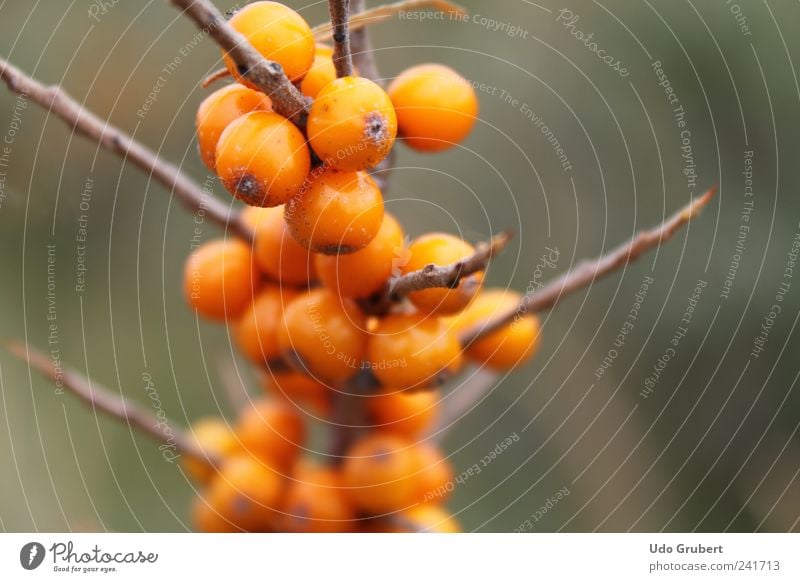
(713, 447)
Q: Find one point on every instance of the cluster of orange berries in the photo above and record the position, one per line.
(294, 298)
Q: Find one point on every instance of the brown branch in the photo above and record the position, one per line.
(462, 400)
(102, 399)
(361, 47)
(349, 414)
(340, 25)
(214, 77)
(588, 271)
(268, 76)
(56, 100)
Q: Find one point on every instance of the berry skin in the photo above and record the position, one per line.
(364, 272)
(243, 496)
(297, 389)
(316, 503)
(213, 435)
(336, 212)
(437, 476)
(424, 518)
(436, 107)
(352, 124)
(277, 253)
(410, 351)
(321, 72)
(272, 432)
(256, 332)
(218, 110)
(441, 249)
(408, 414)
(510, 346)
(323, 336)
(277, 32)
(380, 474)
(262, 159)
(220, 279)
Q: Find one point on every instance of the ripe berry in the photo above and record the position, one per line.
(406, 413)
(436, 473)
(336, 212)
(424, 518)
(380, 473)
(352, 124)
(298, 389)
(244, 496)
(271, 431)
(256, 331)
(321, 72)
(277, 253)
(262, 159)
(510, 346)
(364, 272)
(277, 32)
(316, 503)
(220, 278)
(436, 107)
(410, 351)
(323, 336)
(215, 437)
(218, 110)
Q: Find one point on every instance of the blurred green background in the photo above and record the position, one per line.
(713, 447)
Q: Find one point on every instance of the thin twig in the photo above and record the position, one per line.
(102, 399)
(588, 271)
(462, 400)
(340, 24)
(361, 47)
(56, 100)
(214, 77)
(268, 76)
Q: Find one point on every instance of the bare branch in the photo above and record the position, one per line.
(588, 271)
(268, 76)
(56, 101)
(102, 399)
(340, 25)
(349, 414)
(217, 75)
(361, 48)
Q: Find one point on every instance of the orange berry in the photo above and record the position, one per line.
(316, 503)
(352, 124)
(215, 437)
(510, 346)
(207, 519)
(321, 72)
(220, 278)
(256, 332)
(277, 32)
(271, 431)
(323, 336)
(405, 413)
(243, 496)
(297, 388)
(277, 253)
(437, 477)
(364, 272)
(262, 159)
(336, 212)
(410, 351)
(436, 107)
(380, 473)
(218, 110)
(424, 518)
(441, 249)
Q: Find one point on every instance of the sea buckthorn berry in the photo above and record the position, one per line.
(298, 388)
(220, 278)
(256, 332)
(364, 272)
(441, 249)
(315, 502)
(381, 474)
(262, 159)
(336, 212)
(243, 496)
(277, 32)
(424, 518)
(218, 110)
(277, 253)
(436, 474)
(323, 336)
(215, 437)
(509, 347)
(406, 413)
(352, 124)
(321, 72)
(436, 107)
(271, 431)
(410, 351)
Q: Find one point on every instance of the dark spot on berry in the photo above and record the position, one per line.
(249, 189)
(334, 249)
(376, 129)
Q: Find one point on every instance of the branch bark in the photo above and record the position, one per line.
(340, 25)
(361, 47)
(55, 100)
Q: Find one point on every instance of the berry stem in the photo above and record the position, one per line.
(340, 25)
(56, 100)
(349, 413)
